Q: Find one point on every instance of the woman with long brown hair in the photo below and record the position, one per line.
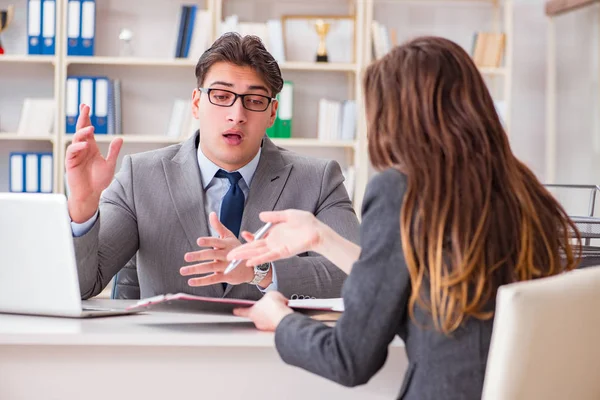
(452, 216)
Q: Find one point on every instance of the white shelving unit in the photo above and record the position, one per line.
(152, 78)
(15, 137)
(26, 59)
(446, 18)
(313, 80)
(26, 76)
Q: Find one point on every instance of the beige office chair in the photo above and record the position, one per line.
(546, 339)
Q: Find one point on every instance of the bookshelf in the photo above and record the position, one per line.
(152, 78)
(15, 137)
(411, 18)
(26, 59)
(25, 76)
(446, 18)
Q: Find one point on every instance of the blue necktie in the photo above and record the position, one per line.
(232, 206)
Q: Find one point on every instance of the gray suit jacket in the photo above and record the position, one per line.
(376, 297)
(155, 207)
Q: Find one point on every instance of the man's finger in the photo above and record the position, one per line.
(215, 243)
(218, 226)
(76, 154)
(84, 134)
(76, 149)
(200, 269)
(207, 280)
(113, 151)
(248, 236)
(84, 117)
(206, 255)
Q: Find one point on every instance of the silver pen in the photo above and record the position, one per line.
(257, 235)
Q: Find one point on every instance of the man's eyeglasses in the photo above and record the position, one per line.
(226, 98)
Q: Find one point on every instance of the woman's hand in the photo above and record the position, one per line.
(268, 312)
(293, 232)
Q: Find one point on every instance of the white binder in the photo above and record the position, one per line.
(101, 105)
(16, 173)
(86, 93)
(88, 27)
(74, 28)
(46, 173)
(31, 173)
(34, 27)
(72, 103)
(48, 27)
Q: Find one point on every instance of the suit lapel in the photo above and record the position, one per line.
(185, 187)
(267, 184)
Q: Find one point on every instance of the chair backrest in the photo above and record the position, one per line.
(546, 339)
(126, 283)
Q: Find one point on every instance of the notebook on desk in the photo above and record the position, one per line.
(322, 309)
(38, 272)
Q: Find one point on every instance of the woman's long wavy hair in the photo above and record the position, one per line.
(473, 216)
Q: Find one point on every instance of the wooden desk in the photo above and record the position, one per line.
(162, 356)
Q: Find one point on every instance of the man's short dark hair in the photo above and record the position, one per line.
(243, 51)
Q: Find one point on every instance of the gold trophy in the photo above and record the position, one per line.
(6, 17)
(322, 29)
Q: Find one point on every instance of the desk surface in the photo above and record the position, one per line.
(143, 329)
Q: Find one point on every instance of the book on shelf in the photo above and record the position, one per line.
(30, 172)
(81, 27)
(282, 127)
(182, 124)
(194, 33)
(115, 121)
(488, 49)
(383, 39)
(37, 117)
(102, 95)
(41, 27)
(500, 106)
(337, 120)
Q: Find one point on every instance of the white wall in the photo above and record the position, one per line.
(577, 90)
(578, 144)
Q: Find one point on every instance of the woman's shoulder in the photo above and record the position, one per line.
(388, 180)
(385, 191)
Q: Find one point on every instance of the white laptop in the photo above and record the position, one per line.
(38, 273)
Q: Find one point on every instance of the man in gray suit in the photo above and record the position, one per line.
(189, 202)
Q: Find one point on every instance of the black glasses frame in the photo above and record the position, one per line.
(235, 97)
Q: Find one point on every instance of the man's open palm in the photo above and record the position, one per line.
(88, 173)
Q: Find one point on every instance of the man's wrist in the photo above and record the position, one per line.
(267, 280)
(80, 212)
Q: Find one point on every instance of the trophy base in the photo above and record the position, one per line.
(322, 58)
